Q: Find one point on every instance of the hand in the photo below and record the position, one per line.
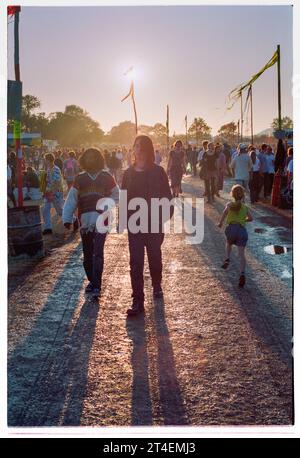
(67, 225)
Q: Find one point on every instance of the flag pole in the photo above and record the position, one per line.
(251, 102)
(167, 126)
(279, 88)
(17, 123)
(186, 133)
(242, 120)
(238, 126)
(134, 108)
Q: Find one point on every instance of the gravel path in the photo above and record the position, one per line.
(208, 354)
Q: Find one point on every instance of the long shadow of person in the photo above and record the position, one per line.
(141, 400)
(47, 372)
(171, 401)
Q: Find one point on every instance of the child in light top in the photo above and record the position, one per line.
(236, 214)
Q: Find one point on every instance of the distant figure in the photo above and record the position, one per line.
(158, 157)
(53, 194)
(70, 169)
(176, 167)
(241, 165)
(280, 157)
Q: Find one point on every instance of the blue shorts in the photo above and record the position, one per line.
(236, 234)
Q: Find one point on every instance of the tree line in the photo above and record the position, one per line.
(74, 127)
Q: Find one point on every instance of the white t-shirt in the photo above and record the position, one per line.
(256, 165)
(290, 167)
(270, 163)
(9, 172)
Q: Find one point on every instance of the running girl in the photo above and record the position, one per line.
(236, 214)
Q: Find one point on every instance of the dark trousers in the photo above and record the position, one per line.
(271, 180)
(93, 256)
(264, 183)
(210, 187)
(137, 244)
(254, 186)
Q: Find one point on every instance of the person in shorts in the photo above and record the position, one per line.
(236, 214)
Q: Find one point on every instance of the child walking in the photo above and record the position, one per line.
(236, 214)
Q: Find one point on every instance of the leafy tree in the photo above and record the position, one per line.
(74, 127)
(199, 130)
(123, 133)
(159, 133)
(286, 123)
(228, 132)
(29, 104)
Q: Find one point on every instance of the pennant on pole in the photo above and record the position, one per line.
(236, 93)
(130, 93)
(11, 10)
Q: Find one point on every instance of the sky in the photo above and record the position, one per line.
(189, 57)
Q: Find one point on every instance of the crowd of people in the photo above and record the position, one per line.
(73, 181)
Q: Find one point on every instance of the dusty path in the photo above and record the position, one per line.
(208, 354)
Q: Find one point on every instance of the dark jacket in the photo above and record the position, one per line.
(155, 184)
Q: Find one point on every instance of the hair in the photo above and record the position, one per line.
(290, 151)
(49, 157)
(264, 146)
(147, 148)
(98, 159)
(72, 154)
(238, 193)
(210, 144)
(253, 156)
(176, 143)
(205, 142)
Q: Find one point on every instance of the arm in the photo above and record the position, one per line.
(70, 206)
(224, 214)
(249, 216)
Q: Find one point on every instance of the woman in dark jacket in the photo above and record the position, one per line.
(209, 171)
(146, 180)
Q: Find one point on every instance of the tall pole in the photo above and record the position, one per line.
(251, 102)
(167, 126)
(238, 126)
(242, 119)
(279, 88)
(17, 123)
(186, 133)
(134, 108)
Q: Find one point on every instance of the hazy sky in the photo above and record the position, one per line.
(187, 57)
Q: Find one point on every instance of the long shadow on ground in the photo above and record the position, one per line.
(47, 372)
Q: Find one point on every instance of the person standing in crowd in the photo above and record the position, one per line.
(221, 163)
(202, 150)
(262, 156)
(254, 183)
(209, 172)
(241, 165)
(89, 186)
(280, 157)
(59, 161)
(70, 169)
(31, 184)
(227, 153)
(194, 160)
(289, 156)
(145, 179)
(158, 157)
(10, 193)
(12, 162)
(53, 195)
(270, 158)
(289, 170)
(176, 167)
(236, 214)
(189, 153)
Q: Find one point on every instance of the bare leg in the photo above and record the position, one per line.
(228, 250)
(241, 250)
